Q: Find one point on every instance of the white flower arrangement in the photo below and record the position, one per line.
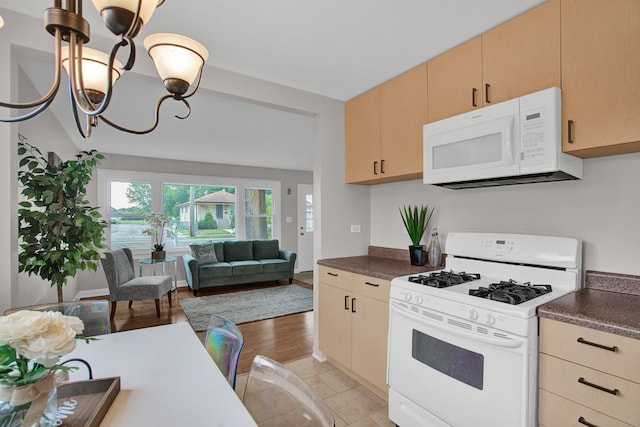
(32, 342)
(157, 220)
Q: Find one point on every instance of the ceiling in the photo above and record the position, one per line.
(335, 48)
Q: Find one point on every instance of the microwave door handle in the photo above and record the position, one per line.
(507, 343)
(509, 145)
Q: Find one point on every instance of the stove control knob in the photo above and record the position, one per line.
(473, 314)
(407, 296)
(490, 319)
(419, 300)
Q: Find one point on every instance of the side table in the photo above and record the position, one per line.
(162, 262)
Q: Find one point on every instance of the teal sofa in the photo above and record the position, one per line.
(233, 262)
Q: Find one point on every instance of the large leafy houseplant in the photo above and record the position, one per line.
(416, 220)
(59, 232)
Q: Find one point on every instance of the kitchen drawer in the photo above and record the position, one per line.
(571, 342)
(556, 411)
(371, 287)
(562, 378)
(332, 276)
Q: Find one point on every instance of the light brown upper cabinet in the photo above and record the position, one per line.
(516, 58)
(362, 137)
(600, 77)
(384, 130)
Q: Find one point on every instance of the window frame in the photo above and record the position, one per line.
(158, 180)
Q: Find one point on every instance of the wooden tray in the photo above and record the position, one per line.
(85, 403)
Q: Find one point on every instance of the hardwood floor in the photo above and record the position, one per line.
(284, 339)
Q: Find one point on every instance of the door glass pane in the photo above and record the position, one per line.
(258, 213)
(129, 200)
(308, 210)
(200, 212)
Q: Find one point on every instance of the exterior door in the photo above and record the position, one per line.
(305, 227)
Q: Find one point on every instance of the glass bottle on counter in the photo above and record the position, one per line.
(435, 253)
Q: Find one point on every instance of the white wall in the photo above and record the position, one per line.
(603, 210)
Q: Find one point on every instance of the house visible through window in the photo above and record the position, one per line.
(203, 211)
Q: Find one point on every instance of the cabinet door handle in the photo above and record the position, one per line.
(346, 302)
(486, 93)
(594, 344)
(375, 168)
(381, 166)
(332, 274)
(474, 91)
(353, 305)
(570, 131)
(581, 420)
(372, 284)
(615, 391)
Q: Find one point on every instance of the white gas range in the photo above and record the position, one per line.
(463, 348)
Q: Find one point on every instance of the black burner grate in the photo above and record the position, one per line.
(511, 292)
(444, 279)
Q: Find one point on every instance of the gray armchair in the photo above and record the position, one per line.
(124, 286)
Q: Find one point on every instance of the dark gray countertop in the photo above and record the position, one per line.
(382, 263)
(610, 303)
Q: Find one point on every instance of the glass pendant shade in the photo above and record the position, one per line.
(178, 59)
(118, 14)
(94, 69)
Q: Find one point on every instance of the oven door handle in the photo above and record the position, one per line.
(510, 343)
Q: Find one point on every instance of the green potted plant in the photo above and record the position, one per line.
(416, 220)
(157, 231)
(58, 231)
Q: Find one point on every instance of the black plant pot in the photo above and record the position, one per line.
(417, 254)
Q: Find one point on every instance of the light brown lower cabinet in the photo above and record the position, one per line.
(353, 325)
(587, 377)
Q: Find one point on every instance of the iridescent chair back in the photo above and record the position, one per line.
(94, 314)
(273, 390)
(224, 343)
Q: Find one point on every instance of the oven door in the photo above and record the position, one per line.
(442, 372)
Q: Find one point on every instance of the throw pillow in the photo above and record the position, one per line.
(204, 253)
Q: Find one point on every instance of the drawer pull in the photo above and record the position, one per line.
(593, 344)
(581, 420)
(615, 391)
(372, 284)
(332, 274)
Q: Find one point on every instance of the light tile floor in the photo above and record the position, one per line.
(351, 404)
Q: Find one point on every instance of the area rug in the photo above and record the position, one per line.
(248, 306)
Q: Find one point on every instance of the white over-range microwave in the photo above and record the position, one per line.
(514, 142)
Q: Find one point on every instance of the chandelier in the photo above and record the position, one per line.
(92, 74)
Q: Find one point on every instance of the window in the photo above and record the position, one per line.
(199, 208)
(258, 213)
(129, 201)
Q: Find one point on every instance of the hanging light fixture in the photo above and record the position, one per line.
(92, 74)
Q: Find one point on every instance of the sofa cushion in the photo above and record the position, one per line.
(218, 247)
(204, 253)
(238, 250)
(275, 265)
(219, 269)
(243, 268)
(265, 249)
